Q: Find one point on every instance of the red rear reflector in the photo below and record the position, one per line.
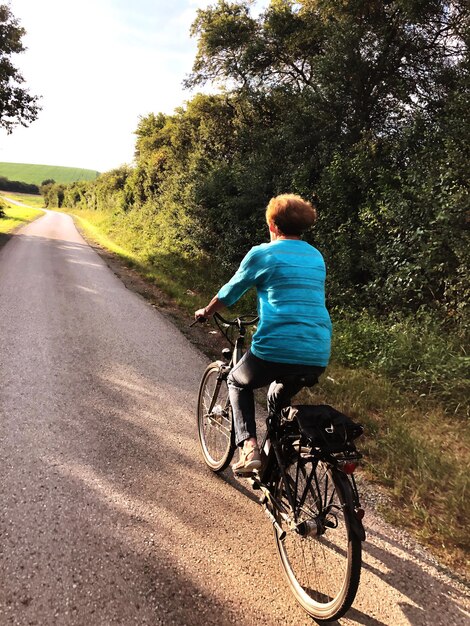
(348, 467)
(359, 513)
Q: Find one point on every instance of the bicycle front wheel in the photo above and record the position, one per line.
(214, 419)
(320, 554)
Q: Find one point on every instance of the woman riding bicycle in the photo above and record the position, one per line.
(294, 333)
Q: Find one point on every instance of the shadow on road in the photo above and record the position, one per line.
(4, 238)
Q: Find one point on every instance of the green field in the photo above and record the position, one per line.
(36, 174)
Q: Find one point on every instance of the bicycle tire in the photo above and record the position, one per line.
(322, 571)
(214, 419)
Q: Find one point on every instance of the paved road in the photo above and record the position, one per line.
(108, 515)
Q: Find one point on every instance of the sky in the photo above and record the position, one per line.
(99, 65)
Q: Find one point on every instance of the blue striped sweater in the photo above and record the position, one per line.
(289, 276)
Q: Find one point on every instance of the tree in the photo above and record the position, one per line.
(367, 66)
(17, 106)
(354, 99)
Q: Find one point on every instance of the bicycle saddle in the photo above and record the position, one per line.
(306, 381)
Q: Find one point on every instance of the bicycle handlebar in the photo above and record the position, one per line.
(242, 320)
(199, 320)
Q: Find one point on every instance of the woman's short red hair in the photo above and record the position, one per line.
(291, 214)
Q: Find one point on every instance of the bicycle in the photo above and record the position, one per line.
(307, 486)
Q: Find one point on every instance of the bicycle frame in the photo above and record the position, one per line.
(275, 463)
(238, 348)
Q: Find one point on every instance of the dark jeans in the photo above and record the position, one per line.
(251, 373)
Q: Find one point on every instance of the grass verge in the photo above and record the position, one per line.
(187, 281)
(16, 216)
(413, 447)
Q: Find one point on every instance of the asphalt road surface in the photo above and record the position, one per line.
(108, 515)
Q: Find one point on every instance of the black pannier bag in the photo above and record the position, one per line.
(325, 427)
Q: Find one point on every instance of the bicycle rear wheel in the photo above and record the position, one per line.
(322, 558)
(214, 419)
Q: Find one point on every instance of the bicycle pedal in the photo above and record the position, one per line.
(255, 482)
(244, 475)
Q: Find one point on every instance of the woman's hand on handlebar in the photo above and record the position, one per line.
(208, 311)
(200, 315)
